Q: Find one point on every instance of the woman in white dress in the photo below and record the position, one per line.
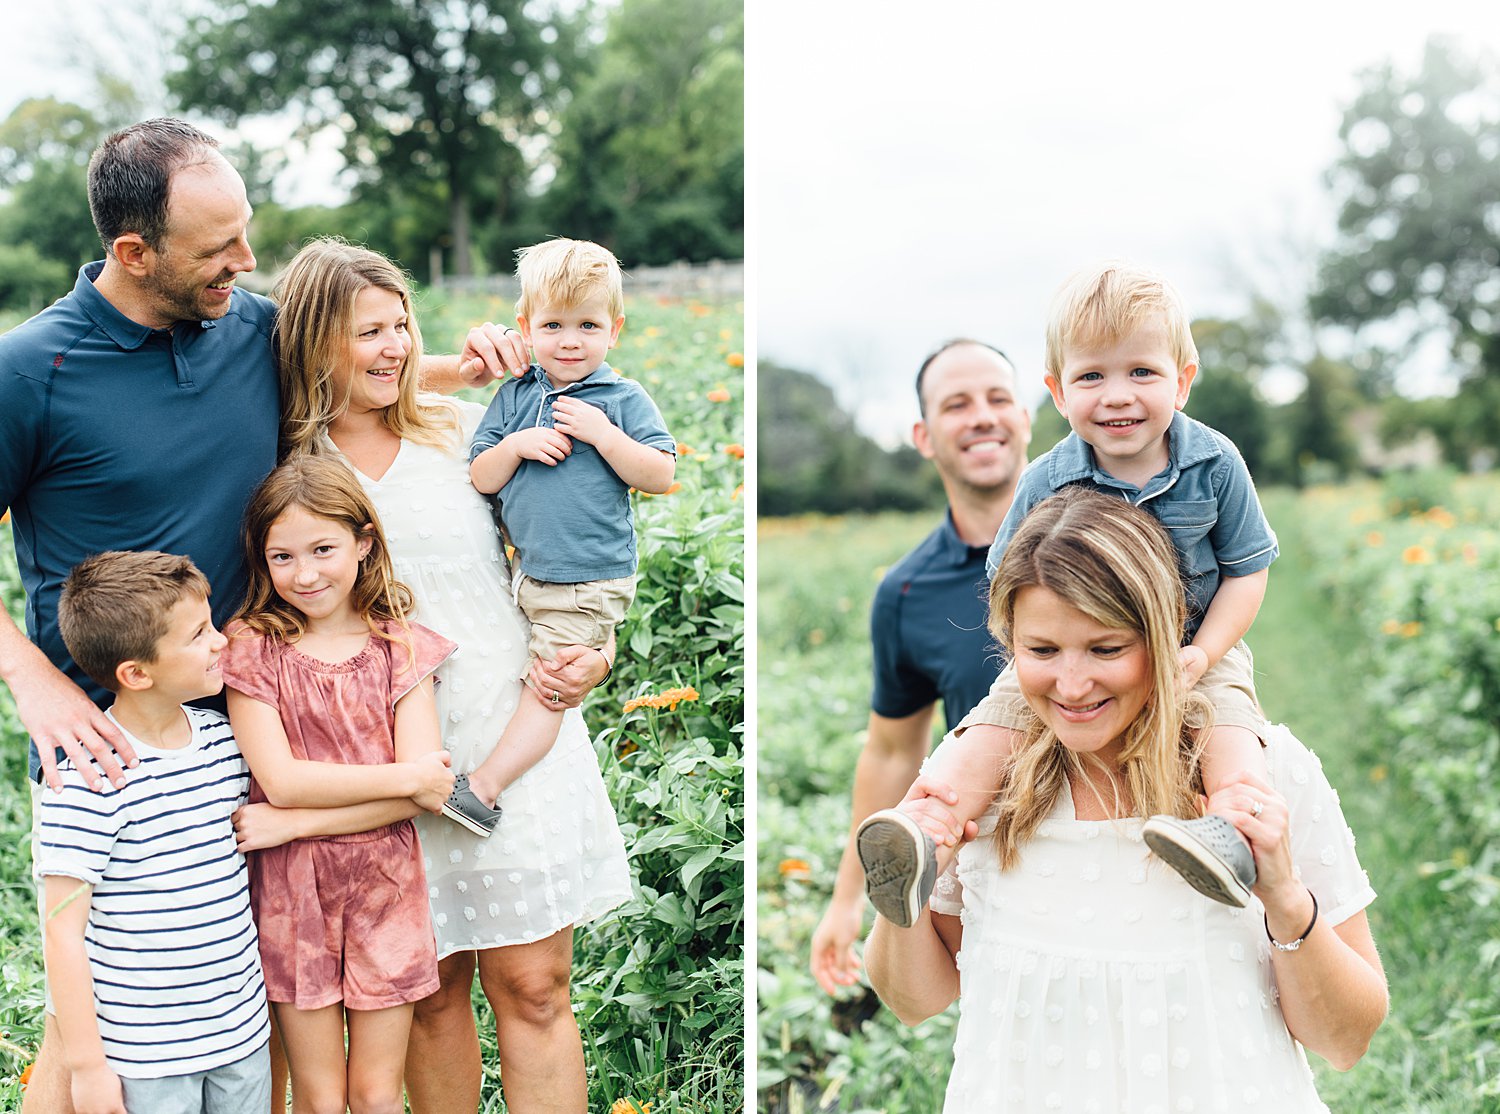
(1092, 979)
(348, 348)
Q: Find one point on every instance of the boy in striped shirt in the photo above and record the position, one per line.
(152, 964)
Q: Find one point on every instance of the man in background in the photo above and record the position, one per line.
(929, 622)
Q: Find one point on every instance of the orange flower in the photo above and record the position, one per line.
(684, 449)
(673, 490)
(626, 749)
(1470, 552)
(26, 1072)
(738, 492)
(1416, 555)
(1374, 539)
(735, 359)
(1378, 773)
(668, 699)
(736, 451)
(1390, 626)
(629, 1106)
(800, 869)
(1441, 518)
(718, 394)
(1411, 630)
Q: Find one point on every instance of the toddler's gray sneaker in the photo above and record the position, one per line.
(900, 865)
(1208, 852)
(463, 807)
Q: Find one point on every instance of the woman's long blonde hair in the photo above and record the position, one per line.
(1115, 563)
(314, 332)
(325, 488)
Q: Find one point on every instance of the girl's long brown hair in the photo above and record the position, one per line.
(1116, 564)
(325, 488)
(314, 333)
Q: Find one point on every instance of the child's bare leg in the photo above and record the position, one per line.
(377, 1057)
(1229, 751)
(529, 735)
(904, 849)
(314, 1041)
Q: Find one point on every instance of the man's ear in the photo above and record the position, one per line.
(922, 439)
(132, 676)
(133, 254)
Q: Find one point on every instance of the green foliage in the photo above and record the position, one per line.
(28, 281)
(650, 155)
(817, 461)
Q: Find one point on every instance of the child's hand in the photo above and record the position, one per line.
(97, 1090)
(259, 826)
(578, 419)
(434, 780)
(549, 446)
(1194, 663)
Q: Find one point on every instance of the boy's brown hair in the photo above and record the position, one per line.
(115, 607)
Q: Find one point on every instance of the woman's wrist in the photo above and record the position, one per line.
(1290, 912)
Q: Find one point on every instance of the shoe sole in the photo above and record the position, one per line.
(473, 825)
(1198, 864)
(899, 867)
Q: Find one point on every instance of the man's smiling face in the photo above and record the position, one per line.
(973, 427)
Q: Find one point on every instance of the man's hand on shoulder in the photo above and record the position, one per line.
(57, 713)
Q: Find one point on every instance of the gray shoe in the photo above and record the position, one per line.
(900, 862)
(463, 807)
(1208, 852)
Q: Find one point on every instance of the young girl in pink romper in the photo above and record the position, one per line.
(331, 698)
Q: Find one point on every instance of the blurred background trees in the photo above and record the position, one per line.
(465, 131)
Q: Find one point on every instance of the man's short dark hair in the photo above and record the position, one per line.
(131, 172)
(954, 343)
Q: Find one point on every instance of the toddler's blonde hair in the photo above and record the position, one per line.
(1103, 303)
(568, 273)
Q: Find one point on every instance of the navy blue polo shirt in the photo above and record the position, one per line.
(117, 436)
(929, 630)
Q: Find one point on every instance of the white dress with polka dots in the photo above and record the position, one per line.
(1095, 980)
(557, 857)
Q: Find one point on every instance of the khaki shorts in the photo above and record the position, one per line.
(1229, 687)
(583, 614)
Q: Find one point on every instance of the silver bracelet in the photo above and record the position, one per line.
(1297, 943)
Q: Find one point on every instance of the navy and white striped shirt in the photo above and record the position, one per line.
(170, 940)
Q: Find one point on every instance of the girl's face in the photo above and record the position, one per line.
(1086, 681)
(372, 377)
(314, 563)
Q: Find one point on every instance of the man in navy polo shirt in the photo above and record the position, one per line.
(138, 412)
(929, 622)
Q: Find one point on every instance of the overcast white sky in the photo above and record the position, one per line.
(930, 170)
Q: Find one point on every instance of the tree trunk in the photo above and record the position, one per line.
(458, 221)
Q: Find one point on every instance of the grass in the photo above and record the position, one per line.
(1435, 1054)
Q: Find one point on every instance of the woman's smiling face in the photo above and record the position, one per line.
(1086, 681)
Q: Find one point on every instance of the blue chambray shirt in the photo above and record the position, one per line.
(571, 522)
(1204, 497)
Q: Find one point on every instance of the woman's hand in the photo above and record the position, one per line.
(260, 826)
(928, 802)
(1261, 816)
(572, 674)
(489, 352)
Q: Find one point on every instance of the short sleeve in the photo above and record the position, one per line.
(77, 828)
(1322, 843)
(640, 418)
(1242, 539)
(490, 428)
(20, 428)
(248, 663)
(427, 651)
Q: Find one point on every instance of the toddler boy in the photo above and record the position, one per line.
(562, 447)
(1120, 361)
(152, 962)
